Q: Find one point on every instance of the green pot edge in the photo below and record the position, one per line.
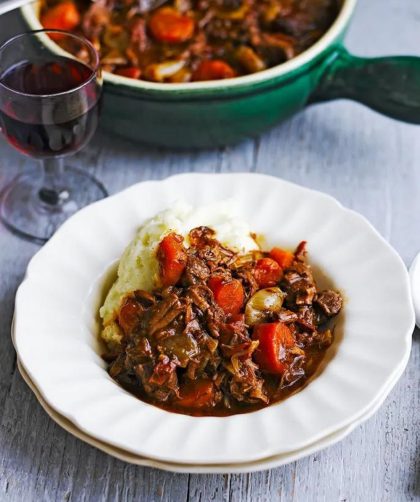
(226, 93)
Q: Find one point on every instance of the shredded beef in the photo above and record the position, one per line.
(182, 350)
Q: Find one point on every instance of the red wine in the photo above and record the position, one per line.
(49, 108)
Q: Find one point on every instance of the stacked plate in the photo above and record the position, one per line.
(56, 326)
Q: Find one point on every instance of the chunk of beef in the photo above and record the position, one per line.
(95, 19)
(330, 302)
(234, 333)
(307, 317)
(287, 316)
(245, 385)
(294, 372)
(196, 271)
(300, 252)
(138, 352)
(159, 381)
(249, 283)
(315, 339)
(299, 285)
(117, 366)
(164, 313)
(139, 38)
(144, 298)
(200, 296)
(208, 249)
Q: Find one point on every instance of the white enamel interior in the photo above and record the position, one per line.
(56, 321)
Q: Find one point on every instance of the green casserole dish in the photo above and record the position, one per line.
(223, 112)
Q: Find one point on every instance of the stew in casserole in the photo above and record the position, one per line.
(193, 40)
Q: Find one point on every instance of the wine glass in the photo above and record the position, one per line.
(50, 95)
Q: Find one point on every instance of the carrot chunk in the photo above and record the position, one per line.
(229, 295)
(63, 16)
(172, 258)
(215, 69)
(274, 339)
(169, 25)
(130, 72)
(198, 394)
(267, 272)
(282, 257)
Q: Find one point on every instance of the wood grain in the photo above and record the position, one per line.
(370, 164)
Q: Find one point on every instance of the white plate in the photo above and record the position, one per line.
(56, 322)
(268, 463)
(415, 286)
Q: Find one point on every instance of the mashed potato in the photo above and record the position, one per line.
(139, 268)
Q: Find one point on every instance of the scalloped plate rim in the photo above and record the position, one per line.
(259, 465)
(261, 454)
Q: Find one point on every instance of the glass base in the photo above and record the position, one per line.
(34, 213)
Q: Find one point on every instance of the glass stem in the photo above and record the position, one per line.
(53, 194)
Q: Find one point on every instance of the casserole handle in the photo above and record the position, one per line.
(389, 85)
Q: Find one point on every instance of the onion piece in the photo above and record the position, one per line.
(246, 259)
(249, 59)
(263, 304)
(158, 72)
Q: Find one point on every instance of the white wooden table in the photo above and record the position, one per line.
(370, 164)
